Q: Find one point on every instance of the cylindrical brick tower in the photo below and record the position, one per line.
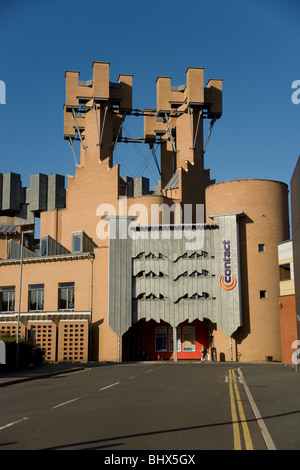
(264, 224)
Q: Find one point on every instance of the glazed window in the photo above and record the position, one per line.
(140, 296)
(44, 247)
(140, 274)
(181, 275)
(66, 291)
(36, 297)
(261, 248)
(262, 294)
(195, 273)
(151, 297)
(7, 299)
(160, 338)
(77, 242)
(150, 274)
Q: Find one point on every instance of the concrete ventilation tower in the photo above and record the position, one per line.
(178, 122)
(96, 109)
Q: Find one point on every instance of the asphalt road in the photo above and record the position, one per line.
(128, 407)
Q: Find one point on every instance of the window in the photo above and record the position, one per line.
(151, 297)
(77, 242)
(150, 274)
(140, 296)
(7, 299)
(181, 275)
(140, 274)
(44, 247)
(160, 338)
(36, 297)
(261, 247)
(262, 294)
(195, 273)
(66, 296)
(285, 272)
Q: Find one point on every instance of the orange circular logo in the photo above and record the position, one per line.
(229, 286)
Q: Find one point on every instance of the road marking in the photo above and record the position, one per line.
(264, 430)
(247, 437)
(14, 422)
(147, 371)
(236, 399)
(108, 386)
(236, 430)
(67, 402)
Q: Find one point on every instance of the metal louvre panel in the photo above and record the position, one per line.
(167, 254)
(170, 289)
(178, 258)
(174, 314)
(120, 285)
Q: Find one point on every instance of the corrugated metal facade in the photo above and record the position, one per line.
(172, 273)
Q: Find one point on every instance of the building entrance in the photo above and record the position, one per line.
(154, 341)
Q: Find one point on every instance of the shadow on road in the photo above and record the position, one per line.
(108, 442)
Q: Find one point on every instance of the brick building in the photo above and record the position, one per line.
(122, 272)
(287, 300)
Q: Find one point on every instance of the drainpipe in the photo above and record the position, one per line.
(175, 343)
(231, 348)
(19, 309)
(91, 306)
(20, 293)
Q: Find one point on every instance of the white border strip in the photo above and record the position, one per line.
(11, 424)
(67, 402)
(108, 386)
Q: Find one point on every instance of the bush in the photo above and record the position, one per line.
(28, 354)
(38, 356)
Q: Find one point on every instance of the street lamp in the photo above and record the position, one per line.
(20, 291)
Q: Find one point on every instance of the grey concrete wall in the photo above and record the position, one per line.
(11, 192)
(44, 193)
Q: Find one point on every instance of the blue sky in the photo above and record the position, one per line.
(252, 45)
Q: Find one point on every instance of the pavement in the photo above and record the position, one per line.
(10, 377)
(282, 373)
(273, 390)
(274, 373)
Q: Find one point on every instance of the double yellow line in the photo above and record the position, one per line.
(235, 399)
